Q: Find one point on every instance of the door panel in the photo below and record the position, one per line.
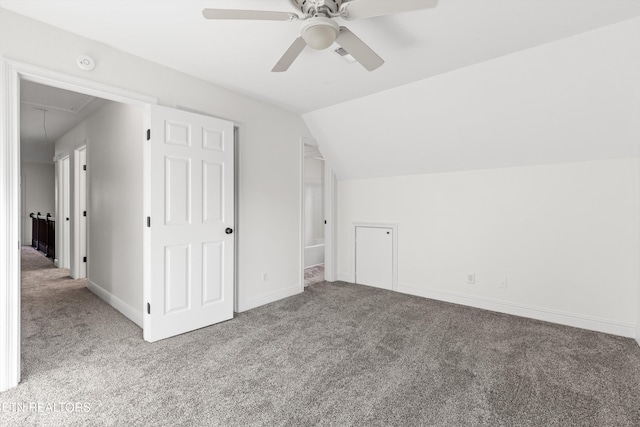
(213, 192)
(212, 279)
(374, 257)
(177, 278)
(191, 258)
(177, 190)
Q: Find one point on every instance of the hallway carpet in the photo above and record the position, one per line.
(338, 354)
(313, 275)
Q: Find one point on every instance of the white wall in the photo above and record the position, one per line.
(268, 232)
(115, 199)
(38, 192)
(575, 99)
(565, 236)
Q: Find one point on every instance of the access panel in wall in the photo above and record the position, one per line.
(374, 256)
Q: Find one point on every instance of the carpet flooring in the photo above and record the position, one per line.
(336, 355)
(313, 275)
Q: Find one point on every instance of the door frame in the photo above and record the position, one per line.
(329, 216)
(63, 185)
(11, 74)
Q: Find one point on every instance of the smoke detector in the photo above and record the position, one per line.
(85, 62)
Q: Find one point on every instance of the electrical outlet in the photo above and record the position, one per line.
(503, 283)
(471, 279)
(265, 277)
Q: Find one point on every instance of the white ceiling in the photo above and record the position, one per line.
(240, 54)
(46, 114)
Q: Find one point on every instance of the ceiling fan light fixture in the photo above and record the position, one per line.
(320, 32)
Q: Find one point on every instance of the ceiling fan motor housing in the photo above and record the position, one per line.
(320, 32)
(311, 7)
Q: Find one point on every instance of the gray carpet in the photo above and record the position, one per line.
(338, 354)
(313, 275)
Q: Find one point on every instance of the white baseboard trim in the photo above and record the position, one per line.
(548, 315)
(272, 297)
(314, 265)
(127, 311)
(638, 334)
(345, 277)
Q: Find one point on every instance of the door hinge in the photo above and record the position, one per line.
(148, 221)
(148, 134)
(84, 213)
(84, 167)
(148, 308)
(84, 259)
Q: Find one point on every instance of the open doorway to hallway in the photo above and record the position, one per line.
(81, 208)
(314, 221)
(53, 181)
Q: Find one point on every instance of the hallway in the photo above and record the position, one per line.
(61, 319)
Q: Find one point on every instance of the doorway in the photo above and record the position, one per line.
(150, 171)
(313, 215)
(14, 77)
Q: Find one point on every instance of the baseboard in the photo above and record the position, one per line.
(638, 334)
(272, 297)
(345, 277)
(129, 312)
(548, 315)
(314, 265)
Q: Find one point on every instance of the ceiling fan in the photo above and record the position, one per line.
(321, 30)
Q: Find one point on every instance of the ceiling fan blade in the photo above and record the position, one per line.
(358, 49)
(290, 55)
(358, 9)
(256, 15)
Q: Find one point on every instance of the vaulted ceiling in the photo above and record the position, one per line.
(240, 54)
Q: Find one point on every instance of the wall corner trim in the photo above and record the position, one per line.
(9, 226)
(548, 315)
(127, 311)
(269, 298)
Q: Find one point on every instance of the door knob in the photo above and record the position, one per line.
(229, 230)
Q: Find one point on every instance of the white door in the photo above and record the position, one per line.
(82, 214)
(191, 240)
(65, 221)
(374, 257)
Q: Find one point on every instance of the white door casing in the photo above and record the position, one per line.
(191, 257)
(79, 220)
(64, 219)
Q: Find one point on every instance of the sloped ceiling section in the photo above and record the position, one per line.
(570, 100)
(239, 55)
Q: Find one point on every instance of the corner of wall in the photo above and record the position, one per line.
(125, 309)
